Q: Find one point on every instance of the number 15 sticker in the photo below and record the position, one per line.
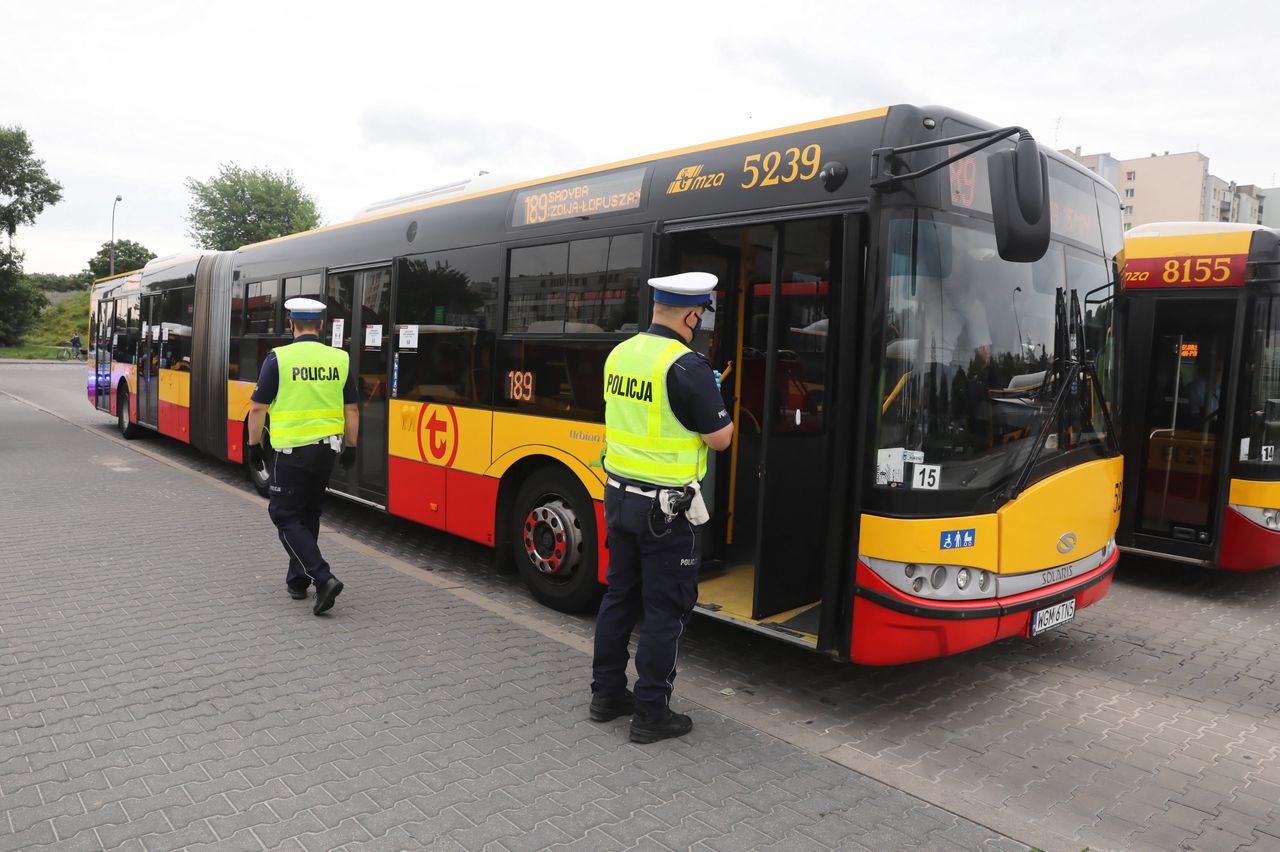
(926, 476)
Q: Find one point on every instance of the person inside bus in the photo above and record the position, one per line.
(1205, 393)
(310, 391)
(657, 434)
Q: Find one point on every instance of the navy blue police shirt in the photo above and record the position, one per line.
(269, 378)
(691, 388)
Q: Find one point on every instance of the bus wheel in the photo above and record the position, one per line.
(259, 478)
(554, 542)
(128, 428)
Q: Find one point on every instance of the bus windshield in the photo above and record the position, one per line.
(967, 374)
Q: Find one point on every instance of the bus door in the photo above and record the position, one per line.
(1177, 411)
(359, 307)
(102, 354)
(149, 362)
(772, 339)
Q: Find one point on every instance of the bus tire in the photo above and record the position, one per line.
(259, 479)
(124, 419)
(553, 540)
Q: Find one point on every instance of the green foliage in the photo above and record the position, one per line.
(242, 206)
(129, 256)
(25, 187)
(52, 283)
(20, 302)
(58, 322)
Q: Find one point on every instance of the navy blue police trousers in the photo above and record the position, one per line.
(653, 570)
(298, 482)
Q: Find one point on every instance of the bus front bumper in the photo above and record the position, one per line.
(891, 627)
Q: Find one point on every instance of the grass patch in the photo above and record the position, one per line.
(54, 328)
(29, 352)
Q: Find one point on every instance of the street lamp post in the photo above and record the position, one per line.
(113, 235)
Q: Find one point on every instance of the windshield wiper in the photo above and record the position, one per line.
(1071, 361)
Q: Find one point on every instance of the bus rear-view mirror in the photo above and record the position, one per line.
(1020, 201)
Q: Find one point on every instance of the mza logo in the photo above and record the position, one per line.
(438, 434)
(691, 177)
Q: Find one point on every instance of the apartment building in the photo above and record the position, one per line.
(1174, 187)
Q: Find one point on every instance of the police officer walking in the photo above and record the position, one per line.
(663, 410)
(310, 392)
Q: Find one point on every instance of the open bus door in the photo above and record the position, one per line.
(774, 339)
(360, 300)
(1178, 416)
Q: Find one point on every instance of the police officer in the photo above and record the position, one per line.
(663, 410)
(310, 392)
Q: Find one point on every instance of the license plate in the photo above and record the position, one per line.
(1050, 617)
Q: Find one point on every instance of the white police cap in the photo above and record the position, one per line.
(688, 289)
(302, 308)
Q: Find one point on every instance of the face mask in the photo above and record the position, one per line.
(697, 325)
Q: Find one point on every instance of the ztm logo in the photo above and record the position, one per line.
(438, 434)
(691, 177)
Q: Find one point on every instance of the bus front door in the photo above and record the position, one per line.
(361, 301)
(149, 362)
(1177, 408)
(772, 339)
(102, 354)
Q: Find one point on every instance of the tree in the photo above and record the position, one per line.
(129, 256)
(20, 301)
(242, 206)
(25, 187)
(51, 282)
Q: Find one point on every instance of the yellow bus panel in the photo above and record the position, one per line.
(1069, 515)
(1248, 492)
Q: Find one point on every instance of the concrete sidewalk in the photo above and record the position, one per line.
(159, 690)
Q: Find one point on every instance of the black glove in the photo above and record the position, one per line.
(347, 458)
(257, 458)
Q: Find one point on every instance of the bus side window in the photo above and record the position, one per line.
(448, 304)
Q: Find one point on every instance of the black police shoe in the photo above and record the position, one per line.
(297, 592)
(606, 708)
(650, 731)
(326, 594)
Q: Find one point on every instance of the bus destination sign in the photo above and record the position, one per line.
(586, 196)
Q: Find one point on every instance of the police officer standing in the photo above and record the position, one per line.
(663, 410)
(310, 392)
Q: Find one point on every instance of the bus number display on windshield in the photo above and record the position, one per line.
(964, 181)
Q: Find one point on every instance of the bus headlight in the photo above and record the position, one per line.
(1263, 517)
(936, 582)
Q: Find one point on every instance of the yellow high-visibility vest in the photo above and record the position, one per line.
(308, 403)
(644, 440)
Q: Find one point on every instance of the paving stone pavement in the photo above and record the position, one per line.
(1149, 723)
(159, 690)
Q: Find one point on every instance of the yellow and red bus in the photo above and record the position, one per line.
(1201, 302)
(922, 462)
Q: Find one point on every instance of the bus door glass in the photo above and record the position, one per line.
(361, 303)
(770, 338)
(102, 354)
(149, 362)
(1182, 420)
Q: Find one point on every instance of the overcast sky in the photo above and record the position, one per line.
(368, 100)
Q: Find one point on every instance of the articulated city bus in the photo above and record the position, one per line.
(922, 459)
(1201, 302)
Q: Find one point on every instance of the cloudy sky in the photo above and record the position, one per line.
(369, 100)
